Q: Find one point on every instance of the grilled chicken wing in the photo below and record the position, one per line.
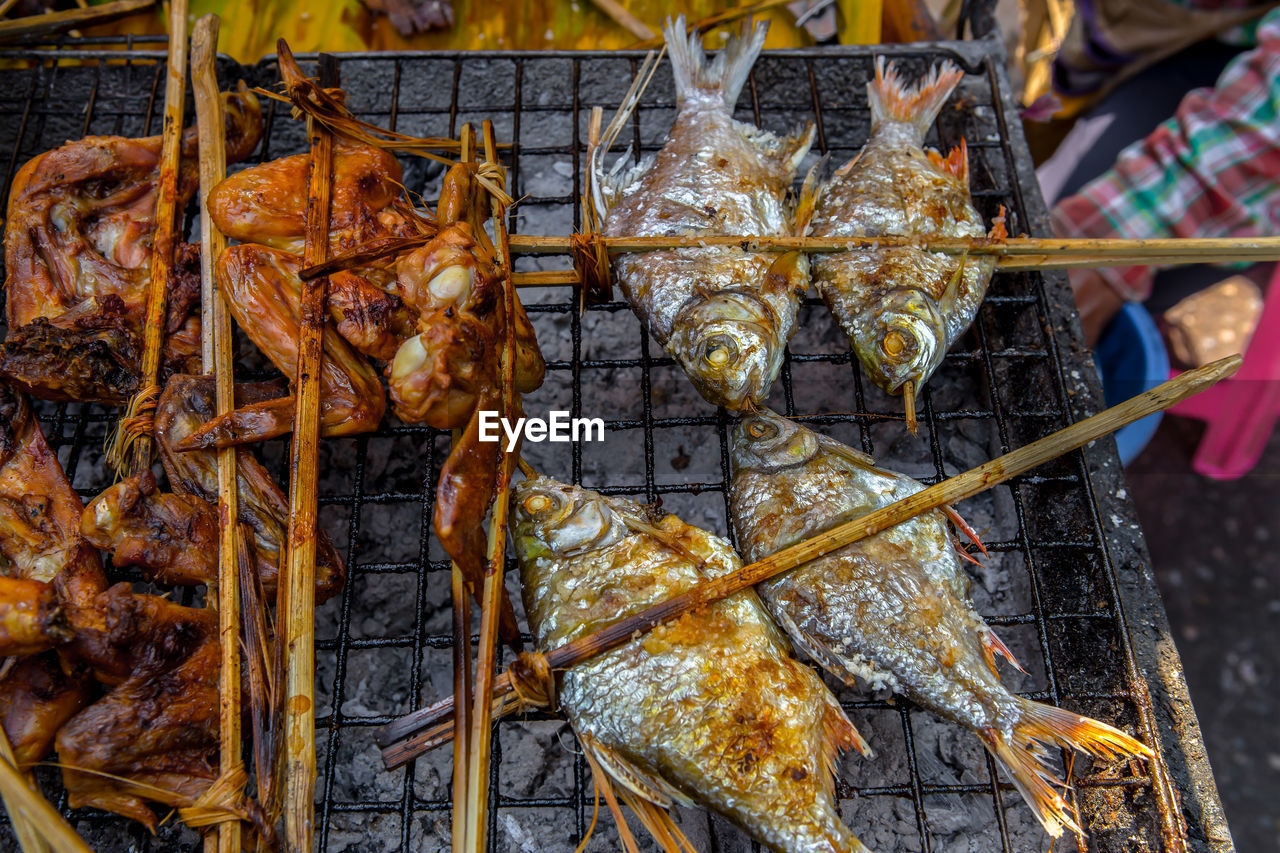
(44, 567)
(187, 402)
(264, 293)
(267, 204)
(78, 256)
(156, 732)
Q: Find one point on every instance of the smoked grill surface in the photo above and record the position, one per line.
(1080, 607)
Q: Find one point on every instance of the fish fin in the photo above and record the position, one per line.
(639, 525)
(893, 100)
(963, 526)
(606, 186)
(727, 73)
(1028, 763)
(604, 787)
(998, 231)
(789, 271)
(645, 785)
(807, 200)
(955, 163)
(659, 823)
(811, 647)
(848, 167)
(857, 457)
(792, 149)
(839, 734)
(992, 645)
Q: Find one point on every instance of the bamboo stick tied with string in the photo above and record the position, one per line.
(133, 433)
(297, 587)
(412, 735)
(586, 248)
(217, 358)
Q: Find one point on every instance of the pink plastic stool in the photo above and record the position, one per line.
(1241, 412)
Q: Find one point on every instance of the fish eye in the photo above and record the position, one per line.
(896, 345)
(539, 503)
(720, 350)
(761, 429)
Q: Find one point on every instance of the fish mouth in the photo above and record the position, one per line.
(727, 346)
(903, 344)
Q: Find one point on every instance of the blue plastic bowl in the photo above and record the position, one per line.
(1132, 359)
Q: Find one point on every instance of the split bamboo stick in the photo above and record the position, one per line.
(57, 22)
(401, 742)
(37, 815)
(479, 749)
(299, 618)
(165, 237)
(216, 358)
(461, 794)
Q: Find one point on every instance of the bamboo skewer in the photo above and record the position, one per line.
(1047, 248)
(399, 738)
(490, 607)
(1012, 254)
(216, 358)
(164, 239)
(56, 22)
(299, 617)
(461, 796)
(37, 814)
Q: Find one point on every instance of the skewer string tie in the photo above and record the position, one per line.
(532, 680)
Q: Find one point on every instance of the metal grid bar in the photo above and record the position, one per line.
(383, 645)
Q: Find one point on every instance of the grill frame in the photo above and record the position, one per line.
(1156, 692)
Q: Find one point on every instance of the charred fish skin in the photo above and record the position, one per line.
(724, 314)
(709, 708)
(902, 307)
(893, 609)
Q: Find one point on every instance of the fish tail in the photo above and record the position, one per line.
(1027, 760)
(893, 100)
(727, 73)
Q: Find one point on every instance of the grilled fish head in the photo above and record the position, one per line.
(769, 441)
(561, 519)
(729, 346)
(902, 339)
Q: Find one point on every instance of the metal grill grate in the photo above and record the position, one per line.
(1057, 587)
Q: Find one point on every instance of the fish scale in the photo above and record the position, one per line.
(893, 609)
(709, 708)
(724, 314)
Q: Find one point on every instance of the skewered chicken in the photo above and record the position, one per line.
(77, 259)
(44, 559)
(174, 537)
(156, 732)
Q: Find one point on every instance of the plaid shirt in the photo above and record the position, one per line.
(1213, 170)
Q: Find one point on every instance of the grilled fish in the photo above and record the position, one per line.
(893, 609)
(708, 708)
(724, 314)
(902, 307)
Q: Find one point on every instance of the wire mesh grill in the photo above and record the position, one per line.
(384, 645)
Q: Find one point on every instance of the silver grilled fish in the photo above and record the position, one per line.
(902, 307)
(723, 313)
(709, 708)
(893, 609)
